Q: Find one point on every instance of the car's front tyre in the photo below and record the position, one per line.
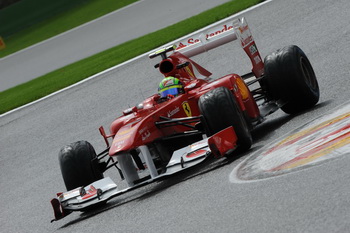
(77, 166)
(220, 110)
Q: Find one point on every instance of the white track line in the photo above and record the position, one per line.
(124, 63)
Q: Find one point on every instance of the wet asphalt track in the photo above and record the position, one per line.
(315, 199)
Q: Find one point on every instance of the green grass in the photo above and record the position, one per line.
(80, 70)
(67, 14)
(30, 12)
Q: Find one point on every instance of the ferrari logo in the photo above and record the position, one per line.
(187, 108)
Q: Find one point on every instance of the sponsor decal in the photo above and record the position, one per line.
(246, 41)
(196, 153)
(193, 40)
(187, 108)
(146, 135)
(225, 28)
(91, 192)
(252, 49)
(68, 194)
(168, 82)
(244, 28)
(257, 59)
(141, 131)
(198, 145)
(173, 112)
(243, 34)
(190, 41)
(119, 144)
(125, 133)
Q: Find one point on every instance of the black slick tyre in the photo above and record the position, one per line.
(290, 79)
(220, 110)
(76, 165)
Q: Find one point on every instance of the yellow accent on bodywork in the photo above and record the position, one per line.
(188, 70)
(243, 89)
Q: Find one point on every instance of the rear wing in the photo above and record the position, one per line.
(221, 34)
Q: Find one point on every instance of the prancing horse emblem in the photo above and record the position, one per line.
(187, 108)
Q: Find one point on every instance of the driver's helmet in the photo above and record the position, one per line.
(170, 86)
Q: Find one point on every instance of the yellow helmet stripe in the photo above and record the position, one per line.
(170, 87)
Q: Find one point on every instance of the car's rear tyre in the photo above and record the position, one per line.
(76, 165)
(290, 78)
(220, 110)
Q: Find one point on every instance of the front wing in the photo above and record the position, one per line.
(102, 190)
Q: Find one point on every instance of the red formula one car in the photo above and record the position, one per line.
(166, 134)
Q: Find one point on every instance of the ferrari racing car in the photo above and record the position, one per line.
(193, 117)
